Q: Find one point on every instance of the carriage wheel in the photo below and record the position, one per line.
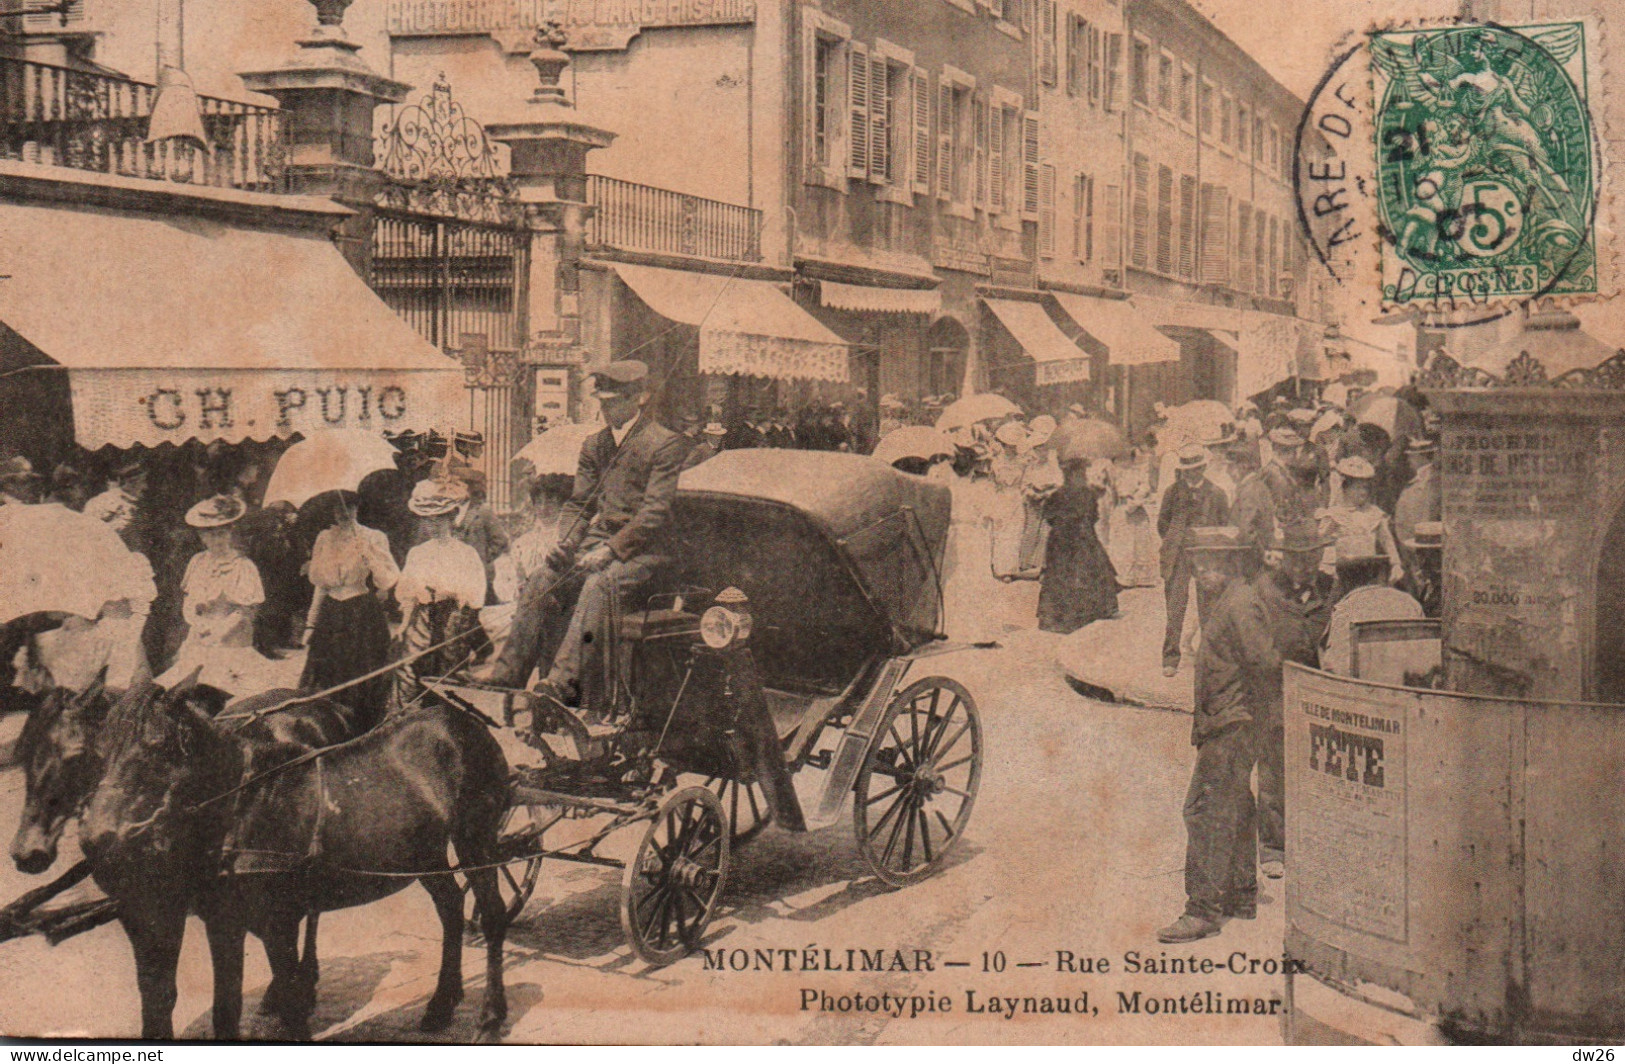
(746, 806)
(918, 782)
(670, 889)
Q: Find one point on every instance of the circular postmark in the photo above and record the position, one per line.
(1454, 170)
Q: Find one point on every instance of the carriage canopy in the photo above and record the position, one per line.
(841, 555)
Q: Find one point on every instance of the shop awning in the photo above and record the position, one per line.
(1130, 335)
(747, 327)
(879, 300)
(1268, 352)
(1059, 359)
(178, 329)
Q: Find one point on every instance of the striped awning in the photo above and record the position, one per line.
(746, 327)
(1129, 334)
(1059, 359)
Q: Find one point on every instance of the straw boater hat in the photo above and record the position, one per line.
(714, 428)
(217, 511)
(437, 497)
(1192, 456)
(1356, 468)
(1285, 436)
(1429, 536)
(1421, 445)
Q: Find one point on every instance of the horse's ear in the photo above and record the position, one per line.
(184, 688)
(205, 700)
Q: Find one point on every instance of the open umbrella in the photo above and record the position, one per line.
(983, 406)
(1392, 415)
(1087, 439)
(56, 560)
(330, 460)
(558, 450)
(1198, 421)
(914, 441)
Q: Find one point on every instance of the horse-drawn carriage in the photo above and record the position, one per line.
(796, 628)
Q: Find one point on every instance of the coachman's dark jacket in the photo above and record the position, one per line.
(635, 485)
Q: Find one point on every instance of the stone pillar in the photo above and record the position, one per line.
(327, 95)
(548, 142)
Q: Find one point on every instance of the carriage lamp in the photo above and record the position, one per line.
(728, 621)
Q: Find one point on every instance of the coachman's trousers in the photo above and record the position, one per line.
(1221, 875)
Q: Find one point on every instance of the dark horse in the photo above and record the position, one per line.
(62, 762)
(349, 826)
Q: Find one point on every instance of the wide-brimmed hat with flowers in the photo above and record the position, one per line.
(217, 511)
(437, 497)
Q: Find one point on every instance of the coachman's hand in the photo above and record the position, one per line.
(558, 559)
(597, 558)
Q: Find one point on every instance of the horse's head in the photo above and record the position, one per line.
(162, 757)
(57, 750)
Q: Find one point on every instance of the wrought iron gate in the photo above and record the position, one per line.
(450, 255)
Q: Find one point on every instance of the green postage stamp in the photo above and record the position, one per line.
(1487, 164)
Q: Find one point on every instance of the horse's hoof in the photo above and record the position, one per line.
(490, 1033)
(436, 1019)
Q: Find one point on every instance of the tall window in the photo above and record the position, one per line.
(1206, 109)
(1046, 210)
(1140, 239)
(1047, 41)
(1112, 90)
(1187, 90)
(1165, 220)
(1140, 73)
(1165, 82)
(825, 71)
(1083, 61)
(1244, 246)
(1083, 217)
(1244, 128)
(1260, 255)
(1275, 257)
(1226, 120)
(1215, 235)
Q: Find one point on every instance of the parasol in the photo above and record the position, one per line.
(1087, 439)
(1392, 415)
(330, 460)
(56, 560)
(983, 406)
(557, 452)
(914, 441)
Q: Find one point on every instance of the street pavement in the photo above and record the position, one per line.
(1076, 844)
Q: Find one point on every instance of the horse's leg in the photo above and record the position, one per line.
(225, 929)
(310, 969)
(290, 1001)
(155, 939)
(448, 992)
(494, 926)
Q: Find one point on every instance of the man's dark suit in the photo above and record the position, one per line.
(1184, 508)
(623, 498)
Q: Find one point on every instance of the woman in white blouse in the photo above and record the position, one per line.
(346, 631)
(220, 594)
(441, 587)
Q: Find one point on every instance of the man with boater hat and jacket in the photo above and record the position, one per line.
(611, 539)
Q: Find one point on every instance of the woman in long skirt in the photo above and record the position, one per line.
(441, 589)
(351, 570)
(1079, 584)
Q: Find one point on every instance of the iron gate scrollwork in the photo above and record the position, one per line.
(450, 255)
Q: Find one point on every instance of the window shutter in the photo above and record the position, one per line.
(1187, 227)
(1029, 165)
(879, 120)
(995, 161)
(1114, 72)
(1260, 259)
(921, 92)
(979, 107)
(1165, 220)
(1244, 247)
(1046, 210)
(1140, 246)
(1046, 39)
(1095, 60)
(946, 120)
(1074, 56)
(857, 100)
(1111, 227)
(1214, 265)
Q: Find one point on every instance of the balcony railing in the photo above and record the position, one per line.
(87, 120)
(633, 217)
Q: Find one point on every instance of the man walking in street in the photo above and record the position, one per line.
(1285, 492)
(1259, 624)
(612, 541)
(1192, 501)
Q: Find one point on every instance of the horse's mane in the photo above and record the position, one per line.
(51, 708)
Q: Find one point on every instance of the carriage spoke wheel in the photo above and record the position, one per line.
(918, 782)
(516, 880)
(746, 806)
(670, 888)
